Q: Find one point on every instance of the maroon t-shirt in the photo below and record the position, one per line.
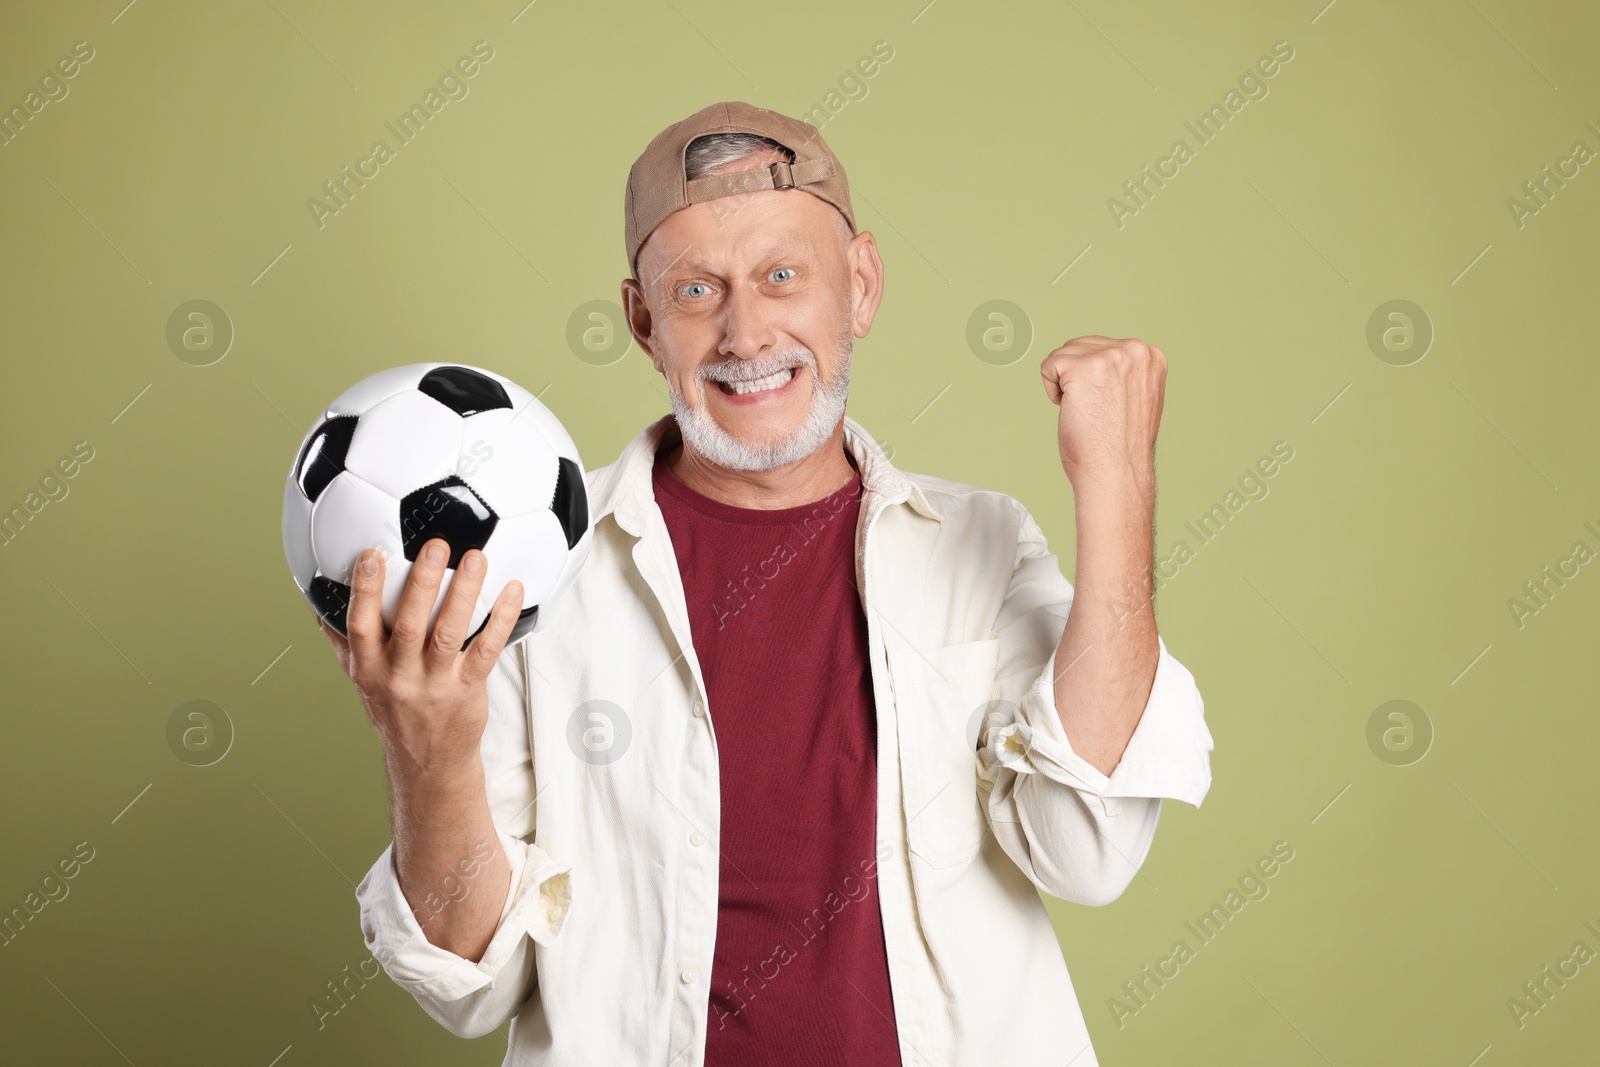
(800, 975)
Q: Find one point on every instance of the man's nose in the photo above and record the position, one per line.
(747, 325)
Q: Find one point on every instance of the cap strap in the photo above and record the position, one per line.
(780, 175)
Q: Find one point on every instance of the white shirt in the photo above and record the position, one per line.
(604, 949)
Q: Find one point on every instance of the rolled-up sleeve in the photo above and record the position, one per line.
(1076, 833)
(472, 998)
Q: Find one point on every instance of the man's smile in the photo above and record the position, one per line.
(760, 389)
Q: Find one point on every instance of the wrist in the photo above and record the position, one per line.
(433, 779)
(1115, 520)
(1120, 481)
(1119, 505)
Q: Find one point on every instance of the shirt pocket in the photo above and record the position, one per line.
(937, 693)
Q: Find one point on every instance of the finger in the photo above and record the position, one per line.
(1052, 383)
(417, 599)
(491, 641)
(363, 621)
(1087, 343)
(450, 629)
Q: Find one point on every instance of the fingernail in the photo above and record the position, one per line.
(472, 564)
(368, 565)
(435, 552)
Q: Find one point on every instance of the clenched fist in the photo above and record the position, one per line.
(1110, 392)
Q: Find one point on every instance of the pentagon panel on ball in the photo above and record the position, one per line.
(437, 450)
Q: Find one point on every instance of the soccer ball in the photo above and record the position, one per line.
(437, 450)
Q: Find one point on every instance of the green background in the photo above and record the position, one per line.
(1420, 497)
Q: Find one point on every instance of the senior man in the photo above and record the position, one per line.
(780, 783)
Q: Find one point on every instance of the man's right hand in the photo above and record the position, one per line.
(426, 696)
(429, 701)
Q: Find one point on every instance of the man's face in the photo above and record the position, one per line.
(749, 306)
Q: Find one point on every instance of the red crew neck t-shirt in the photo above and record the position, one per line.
(800, 977)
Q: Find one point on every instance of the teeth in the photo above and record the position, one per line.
(771, 381)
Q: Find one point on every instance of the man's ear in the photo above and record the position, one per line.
(640, 322)
(866, 281)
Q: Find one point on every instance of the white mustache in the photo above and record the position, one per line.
(738, 370)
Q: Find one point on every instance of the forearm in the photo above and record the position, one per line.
(447, 854)
(1106, 661)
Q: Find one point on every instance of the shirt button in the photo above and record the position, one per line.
(689, 975)
(699, 707)
(697, 839)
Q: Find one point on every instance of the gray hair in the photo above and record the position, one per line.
(715, 150)
(712, 151)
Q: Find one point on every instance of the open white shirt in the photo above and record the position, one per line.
(604, 948)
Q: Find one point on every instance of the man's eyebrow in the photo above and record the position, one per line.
(662, 273)
(690, 260)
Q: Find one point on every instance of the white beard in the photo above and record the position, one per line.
(702, 433)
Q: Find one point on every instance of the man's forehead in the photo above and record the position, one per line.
(772, 233)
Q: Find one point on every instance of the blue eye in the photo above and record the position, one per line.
(781, 270)
(694, 285)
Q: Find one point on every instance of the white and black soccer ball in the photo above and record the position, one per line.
(437, 450)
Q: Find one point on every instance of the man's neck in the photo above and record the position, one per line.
(804, 481)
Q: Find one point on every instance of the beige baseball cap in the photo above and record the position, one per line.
(657, 186)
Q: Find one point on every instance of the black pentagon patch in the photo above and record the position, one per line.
(571, 503)
(447, 509)
(520, 629)
(524, 624)
(464, 390)
(331, 600)
(323, 456)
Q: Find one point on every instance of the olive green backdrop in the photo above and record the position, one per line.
(1442, 456)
